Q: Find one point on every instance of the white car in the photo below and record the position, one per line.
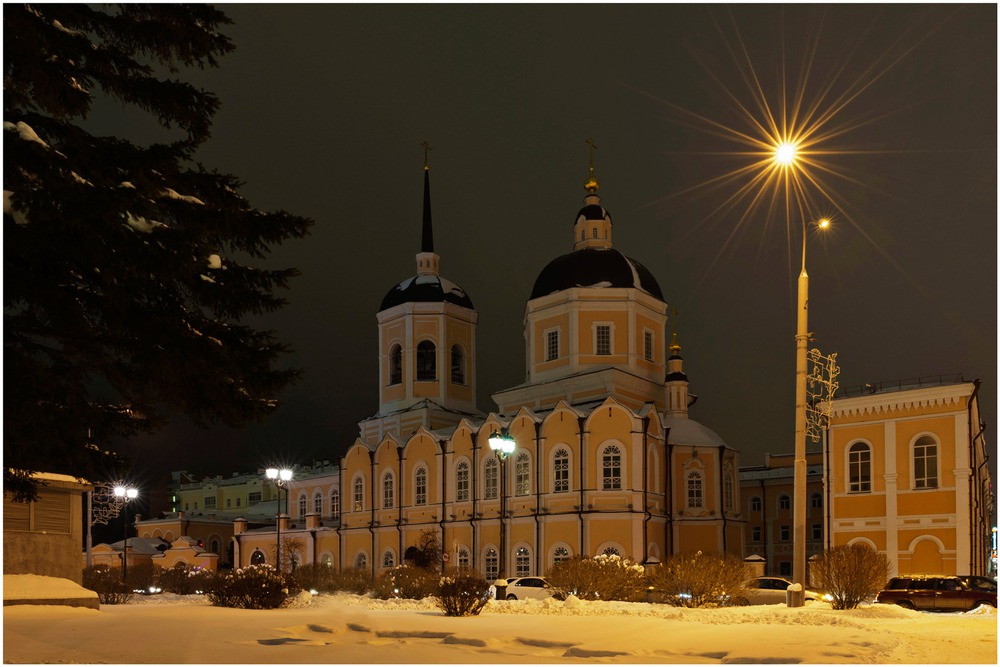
(528, 588)
(772, 590)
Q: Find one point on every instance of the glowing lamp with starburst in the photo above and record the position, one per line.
(784, 153)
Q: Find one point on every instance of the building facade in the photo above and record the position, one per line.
(606, 457)
(906, 472)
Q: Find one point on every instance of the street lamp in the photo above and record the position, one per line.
(502, 445)
(125, 495)
(280, 478)
(802, 336)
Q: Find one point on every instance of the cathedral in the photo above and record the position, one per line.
(601, 456)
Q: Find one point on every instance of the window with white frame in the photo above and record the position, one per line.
(695, 489)
(755, 534)
(522, 562)
(388, 491)
(755, 504)
(359, 493)
(209, 502)
(602, 339)
(784, 502)
(816, 501)
(335, 504)
(817, 531)
(464, 558)
(859, 468)
(462, 481)
(303, 503)
(611, 551)
(611, 468)
(253, 498)
(490, 476)
(560, 471)
(647, 344)
(318, 503)
(784, 534)
(420, 487)
(925, 463)
(551, 344)
(522, 474)
(559, 555)
(492, 564)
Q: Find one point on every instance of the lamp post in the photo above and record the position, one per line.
(280, 478)
(502, 445)
(802, 336)
(125, 495)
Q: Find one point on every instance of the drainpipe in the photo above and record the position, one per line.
(764, 528)
(340, 515)
(399, 504)
(474, 523)
(972, 479)
(827, 510)
(645, 487)
(538, 498)
(583, 455)
(443, 444)
(722, 495)
(668, 490)
(371, 522)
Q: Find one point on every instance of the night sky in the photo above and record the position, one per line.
(324, 108)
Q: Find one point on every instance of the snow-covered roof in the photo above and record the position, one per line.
(685, 431)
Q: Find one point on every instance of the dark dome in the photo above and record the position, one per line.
(422, 289)
(593, 212)
(594, 267)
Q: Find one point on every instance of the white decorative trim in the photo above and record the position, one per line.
(942, 396)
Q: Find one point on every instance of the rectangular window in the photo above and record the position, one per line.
(210, 503)
(421, 498)
(860, 469)
(490, 485)
(817, 531)
(756, 533)
(551, 345)
(785, 534)
(602, 344)
(387, 493)
(492, 564)
(647, 345)
(522, 476)
(462, 482)
(925, 465)
(561, 481)
(253, 498)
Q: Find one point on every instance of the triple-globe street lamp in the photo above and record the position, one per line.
(502, 445)
(125, 494)
(280, 478)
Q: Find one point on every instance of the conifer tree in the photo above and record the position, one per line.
(128, 270)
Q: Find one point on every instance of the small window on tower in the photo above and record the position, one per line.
(426, 361)
(647, 345)
(603, 343)
(395, 365)
(595, 232)
(551, 345)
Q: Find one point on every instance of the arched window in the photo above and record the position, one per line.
(257, 557)
(464, 559)
(326, 559)
(359, 493)
(318, 503)
(492, 564)
(303, 506)
(925, 463)
(214, 546)
(522, 562)
(755, 504)
(560, 471)
(859, 468)
(395, 364)
(335, 504)
(361, 560)
(388, 491)
(695, 490)
(457, 364)
(388, 559)
(784, 502)
(816, 501)
(611, 468)
(421, 486)
(462, 481)
(426, 361)
(559, 555)
(490, 483)
(611, 551)
(522, 475)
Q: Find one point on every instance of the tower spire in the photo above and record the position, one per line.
(427, 238)
(591, 185)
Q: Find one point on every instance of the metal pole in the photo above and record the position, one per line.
(797, 598)
(503, 516)
(125, 546)
(90, 527)
(277, 527)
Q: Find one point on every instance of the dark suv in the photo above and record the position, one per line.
(936, 592)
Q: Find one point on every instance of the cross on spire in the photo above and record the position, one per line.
(427, 147)
(591, 185)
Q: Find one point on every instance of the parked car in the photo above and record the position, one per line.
(528, 588)
(772, 590)
(938, 592)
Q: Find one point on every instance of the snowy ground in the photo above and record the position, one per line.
(345, 628)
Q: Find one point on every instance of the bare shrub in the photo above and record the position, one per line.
(253, 587)
(184, 580)
(316, 577)
(407, 582)
(463, 593)
(701, 580)
(428, 551)
(850, 573)
(353, 580)
(600, 578)
(107, 583)
(141, 576)
(290, 546)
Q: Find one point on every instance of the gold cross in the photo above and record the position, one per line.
(427, 147)
(590, 142)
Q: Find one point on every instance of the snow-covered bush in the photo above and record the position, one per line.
(408, 582)
(463, 593)
(107, 583)
(184, 580)
(850, 573)
(141, 576)
(316, 577)
(252, 587)
(602, 577)
(701, 580)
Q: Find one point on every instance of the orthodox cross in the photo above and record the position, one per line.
(427, 147)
